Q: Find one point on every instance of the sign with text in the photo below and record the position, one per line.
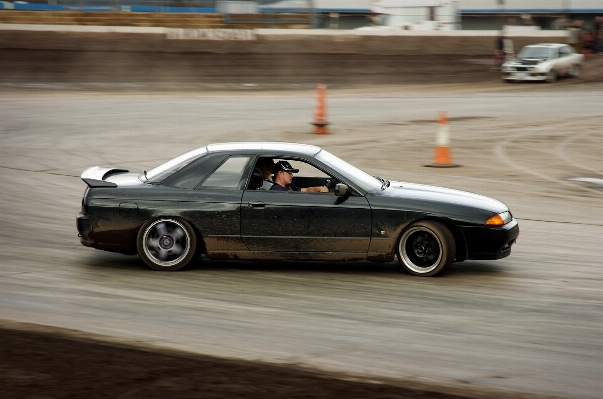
(210, 34)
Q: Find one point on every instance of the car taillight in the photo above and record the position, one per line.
(84, 209)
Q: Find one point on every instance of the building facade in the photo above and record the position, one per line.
(459, 14)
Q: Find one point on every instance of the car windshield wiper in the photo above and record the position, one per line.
(384, 182)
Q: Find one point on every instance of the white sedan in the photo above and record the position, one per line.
(543, 62)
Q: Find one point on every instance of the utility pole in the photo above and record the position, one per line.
(501, 13)
(313, 14)
(567, 5)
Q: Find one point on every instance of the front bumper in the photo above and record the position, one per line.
(84, 229)
(488, 243)
(528, 76)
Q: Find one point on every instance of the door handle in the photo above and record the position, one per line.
(256, 204)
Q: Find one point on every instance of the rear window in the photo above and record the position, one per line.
(158, 174)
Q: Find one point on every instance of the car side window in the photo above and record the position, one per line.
(197, 171)
(228, 175)
(563, 52)
(309, 175)
(307, 170)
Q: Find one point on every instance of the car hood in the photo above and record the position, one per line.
(526, 62)
(531, 61)
(457, 204)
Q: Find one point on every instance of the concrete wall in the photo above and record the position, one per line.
(261, 41)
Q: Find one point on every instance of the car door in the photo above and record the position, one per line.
(557, 62)
(303, 222)
(565, 60)
(214, 206)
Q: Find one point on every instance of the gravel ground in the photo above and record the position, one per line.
(37, 361)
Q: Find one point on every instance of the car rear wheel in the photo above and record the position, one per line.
(166, 243)
(426, 248)
(551, 77)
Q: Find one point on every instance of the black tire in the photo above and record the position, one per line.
(166, 243)
(426, 248)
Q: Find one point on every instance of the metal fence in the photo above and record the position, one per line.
(205, 6)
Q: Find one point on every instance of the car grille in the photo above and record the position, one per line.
(521, 69)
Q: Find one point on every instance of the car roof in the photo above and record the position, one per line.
(268, 146)
(550, 45)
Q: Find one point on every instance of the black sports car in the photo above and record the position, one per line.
(216, 200)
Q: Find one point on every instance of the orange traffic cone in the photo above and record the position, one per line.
(441, 156)
(320, 119)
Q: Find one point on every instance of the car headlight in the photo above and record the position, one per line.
(500, 219)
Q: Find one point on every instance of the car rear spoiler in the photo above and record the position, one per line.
(94, 176)
(98, 183)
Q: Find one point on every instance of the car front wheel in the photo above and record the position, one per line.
(551, 77)
(166, 243)
(426, 248)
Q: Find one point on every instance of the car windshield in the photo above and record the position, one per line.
(539, 53)
(355, 175)
(164, 170)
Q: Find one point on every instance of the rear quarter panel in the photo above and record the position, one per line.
(215, 215)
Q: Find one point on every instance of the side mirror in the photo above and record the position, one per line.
(341, 190)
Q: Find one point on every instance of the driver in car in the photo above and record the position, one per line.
(283, 176)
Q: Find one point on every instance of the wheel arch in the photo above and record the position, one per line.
(201, 248)
(459, 237)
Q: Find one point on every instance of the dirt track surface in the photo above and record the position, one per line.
(525, 326)
(38, 361)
